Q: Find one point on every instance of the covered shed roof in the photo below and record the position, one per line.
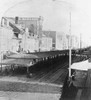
(24, 62)
(84, 65)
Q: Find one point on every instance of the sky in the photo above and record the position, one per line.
(55, 14)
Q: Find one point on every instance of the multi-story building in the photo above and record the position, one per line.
(34, 25)
(10, 38)
(6, 34)
(29, 44)
(51, 34)
(14, 44)
(23, 27)
(19, 24)
(61, 41)
(29, 36)
(74, 42)
(45, 44)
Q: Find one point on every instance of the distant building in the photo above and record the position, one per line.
(10, 22)
(29, 43)
(45, 44)
(14, 44)
(74, 42)
(50, 34)
(19, 24)
(6, 35)
(61, 41)
(27, 35)
(24, 27)
(34, 25)
(9, 32)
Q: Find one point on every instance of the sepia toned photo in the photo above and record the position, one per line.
(45, 50)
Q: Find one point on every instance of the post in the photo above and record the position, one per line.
(1, 60)
(39, 32)
(80, 44)
(70, 47)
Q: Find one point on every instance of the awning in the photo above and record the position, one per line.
(84, 65)
(35, 55)
(48, 53)
(25, 59)
(23, 56)
(24, 62)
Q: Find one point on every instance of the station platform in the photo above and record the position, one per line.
(18, 84)
(27, 96)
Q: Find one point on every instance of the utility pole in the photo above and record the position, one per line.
(70, 46)
(80, 44)
(80, 40)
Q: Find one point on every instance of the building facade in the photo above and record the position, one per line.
(50, 34)
(45, 44)
(6, 35)
(61, 41)
(34, 25)
(75, 43)
(29, 43)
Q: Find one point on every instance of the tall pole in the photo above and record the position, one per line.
(80, 44)
(70, 46)
(39, 32)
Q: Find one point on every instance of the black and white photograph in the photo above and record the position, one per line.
(45, 50)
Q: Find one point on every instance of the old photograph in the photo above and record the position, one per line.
(45, 48)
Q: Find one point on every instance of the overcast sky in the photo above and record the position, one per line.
(55, 14)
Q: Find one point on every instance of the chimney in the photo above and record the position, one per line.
(16, 20)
